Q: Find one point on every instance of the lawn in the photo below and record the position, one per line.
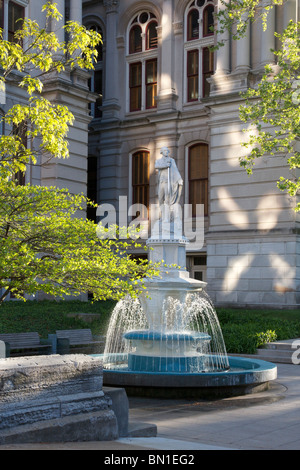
(243, 330)
(47, 316)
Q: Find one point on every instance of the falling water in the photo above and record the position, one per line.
(184, 331)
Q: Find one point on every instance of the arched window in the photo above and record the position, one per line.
(193, 25)
(142, 62)
(151, 35)
(198, 55)
(96, 80)
(135, 39)
(140, 180)
(208, 20)
(198, 176)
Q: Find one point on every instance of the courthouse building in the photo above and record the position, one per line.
(157, 83)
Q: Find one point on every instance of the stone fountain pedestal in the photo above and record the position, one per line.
(54, 399)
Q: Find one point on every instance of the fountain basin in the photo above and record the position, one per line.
(245, 376)
(166, 351)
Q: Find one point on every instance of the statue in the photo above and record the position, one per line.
(169, 180)
(170, 186)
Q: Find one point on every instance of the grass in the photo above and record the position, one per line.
(243, 330)
(47, 316)
(246, 330)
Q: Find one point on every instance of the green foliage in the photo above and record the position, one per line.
(47, 123)
(271, 108)
(45, 244)
(245, 331)
(44, 247)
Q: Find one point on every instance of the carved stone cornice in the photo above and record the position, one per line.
(111, 6)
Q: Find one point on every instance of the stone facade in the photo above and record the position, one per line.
(251, 250)
(250, 255)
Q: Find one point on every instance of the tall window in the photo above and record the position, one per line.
(199, 57)
(193, 75)
(142, 62)
(140, 179)
(96, 80)
(198, 176)
(151, 83)
(11, 15)
(92, 187)
(1, 13)
(135, 39)
(135, 85)
(15, 14)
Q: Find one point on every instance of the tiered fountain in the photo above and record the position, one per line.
(168, 342)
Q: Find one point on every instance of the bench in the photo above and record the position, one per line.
(24, 344)
(79, 341)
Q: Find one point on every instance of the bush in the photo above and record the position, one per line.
(245, 331)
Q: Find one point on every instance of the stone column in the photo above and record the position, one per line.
(76, 10)
(5, 20)
(223, 54)
(111, 103)
(243, 52)
(289, 12)
(268, 39)
(167, 96)
(57, 26)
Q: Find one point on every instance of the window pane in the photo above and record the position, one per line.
(193, 78)
(198, 164)
(208, 69)
(98, 90)
(193, 63)
(135, 82)
(1, 14)
(152, 35)
(140, 179)
(135, 39)
(208, 20)
(15, 13)
(198, 177)
(151, 71)
(151, 83)
(135, 74)
(135, 99)
(193, 25)
(193, 85)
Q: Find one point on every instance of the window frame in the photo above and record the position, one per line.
(197, 179)
(135, 87)
(95, 112)
(144, 57)
(201, 43)
(152, 85)
(144, 185)
(5, 12)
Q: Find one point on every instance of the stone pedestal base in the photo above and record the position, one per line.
(54, 398)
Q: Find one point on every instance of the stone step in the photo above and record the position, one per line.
(279, 351)
(281, 345)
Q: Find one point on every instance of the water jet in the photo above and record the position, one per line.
(168, 342)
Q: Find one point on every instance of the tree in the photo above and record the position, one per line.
(44, 244)
(272, 107)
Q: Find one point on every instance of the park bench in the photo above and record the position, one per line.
(79, 341)
(24, 344)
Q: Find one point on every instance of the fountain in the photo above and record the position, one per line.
(168, 342)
